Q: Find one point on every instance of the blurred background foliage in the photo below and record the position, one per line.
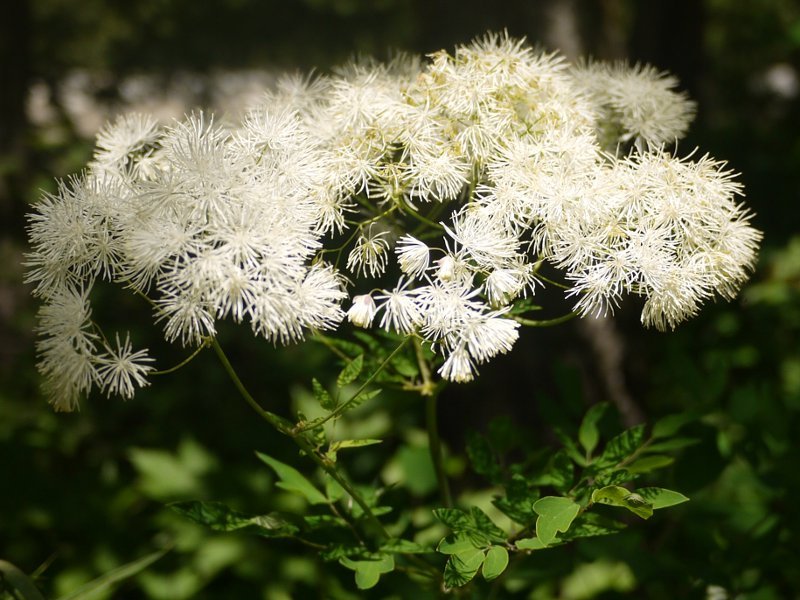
(81, 494)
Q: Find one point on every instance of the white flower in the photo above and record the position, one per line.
(503, 285)
(66, 348)
(412, 255)
(457, 366)
(363, 310)
(69, 372)
(121, 370)
(188, 318)
(489, 335)
(121, 146)
(504, 143)
(401, 312)
(453, 268)
(639, 99)
(369, 254)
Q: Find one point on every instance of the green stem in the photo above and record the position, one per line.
(279, 423)
(183, 363)
(551, 282)
(347, 403)
(413, 213)
(285, 427)
(545, 322)
(435, 445)
(429, 390)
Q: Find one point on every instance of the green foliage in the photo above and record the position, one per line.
(555, 514)
(369, 571)
(293, 481)
(220, 517)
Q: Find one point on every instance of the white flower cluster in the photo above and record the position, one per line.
(501, 149)
(213, 223)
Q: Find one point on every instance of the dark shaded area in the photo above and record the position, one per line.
(80, 493)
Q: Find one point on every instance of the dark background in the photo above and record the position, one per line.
(83, 493)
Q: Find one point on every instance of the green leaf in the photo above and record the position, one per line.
(484, 525)
(291, 480)
(334, 448)
(323, 521)
(591, 525)
(477, 525)
(621, 446)
(620, 496)
(368, 572)
(671, 424)
(350, 348)
(617, 477)
(495, 562)
(556, 514)
(455, 543)
(455, 518)
(480, 454)
(351, 372)
(589, 434)
(571, 448)
(405, 366)
(670, 445)
(106, 582)
(19, 582)
(364, 396)
(533, 543)
(661, 498)
(405, 547)
(462, 567)
(337, 551)
(333, 489)
(219, 517)
(518, 509)
(650, 463)
(559, 473)
(321, 394)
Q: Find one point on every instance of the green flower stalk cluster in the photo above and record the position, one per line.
(468, 170)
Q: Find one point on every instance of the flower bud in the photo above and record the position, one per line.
(362, 311)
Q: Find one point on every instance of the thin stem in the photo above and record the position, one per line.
(429, 390)
(283, 426)
(347, 403)
(325, 341)
(545, 322)
(279, 423)
(413, 213)
(435, 446)
(551, 282)
(206, 343)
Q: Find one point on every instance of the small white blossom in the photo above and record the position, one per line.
(401, 311)
(489, 335)
(639, 99)
(121, 370)
(413, 256)
(458, 366)
(369, 254)
(503, 285)
(362, 311)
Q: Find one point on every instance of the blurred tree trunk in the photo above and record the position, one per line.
(15, 66)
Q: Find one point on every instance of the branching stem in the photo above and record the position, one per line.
(205, 344)
(347, 403)
(285, 427)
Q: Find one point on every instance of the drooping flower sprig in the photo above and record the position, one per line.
(430, 191)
